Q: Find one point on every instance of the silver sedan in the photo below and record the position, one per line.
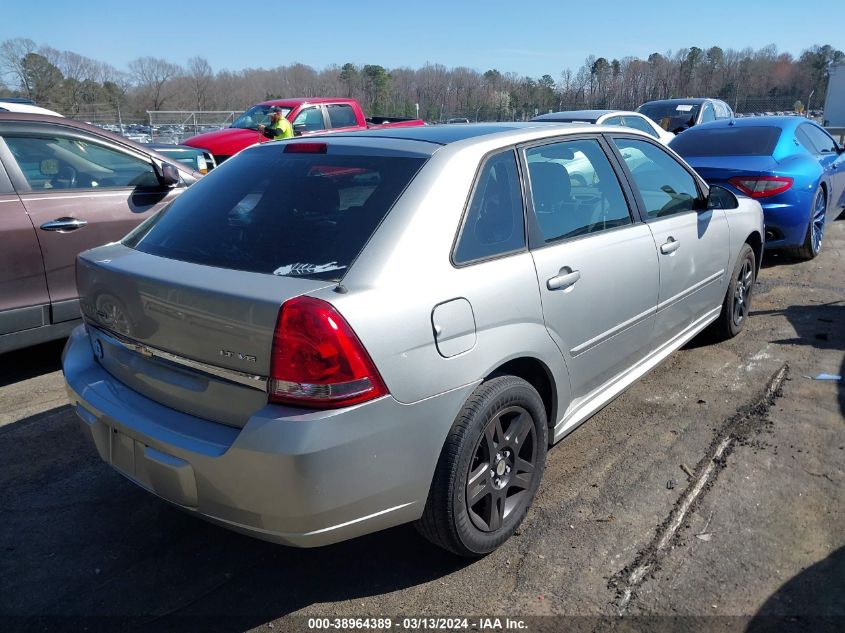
(330, 337)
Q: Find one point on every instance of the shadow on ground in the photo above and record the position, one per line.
(28, 363)
(84, 548)
(810, 601)
(821, 326)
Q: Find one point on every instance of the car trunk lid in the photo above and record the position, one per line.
(715, 171)
(192, 337)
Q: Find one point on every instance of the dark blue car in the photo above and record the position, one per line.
(792, 166)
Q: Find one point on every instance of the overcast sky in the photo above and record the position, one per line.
(529, 38)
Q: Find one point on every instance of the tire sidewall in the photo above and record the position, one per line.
(508, 391)
(820, 193)
(806, 250)
(745, 254)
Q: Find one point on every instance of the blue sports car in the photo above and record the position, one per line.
(789, 164)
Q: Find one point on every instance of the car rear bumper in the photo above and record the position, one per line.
(293, 476)
(786, 224)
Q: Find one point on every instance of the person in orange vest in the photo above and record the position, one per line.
(279, 126)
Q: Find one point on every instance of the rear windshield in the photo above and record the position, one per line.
(305, 215)
(671, 116)
(727, 141)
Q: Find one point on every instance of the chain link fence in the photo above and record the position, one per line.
(173, 126)
(158, 126)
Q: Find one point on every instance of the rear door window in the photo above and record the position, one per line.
(494, 223)
(341, 115)
(279, 213)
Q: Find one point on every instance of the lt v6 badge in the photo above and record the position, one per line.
(230, 354)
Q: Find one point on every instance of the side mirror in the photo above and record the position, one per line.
(721, 198)
(299, 128)
(169, 175)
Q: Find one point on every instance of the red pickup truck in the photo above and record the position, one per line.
(308, 116)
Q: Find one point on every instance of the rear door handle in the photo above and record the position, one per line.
(565, 279)
(63, 225)
(670, 246)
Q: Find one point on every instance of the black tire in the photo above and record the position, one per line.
(737, 301)
(812, 245)
(485, 441)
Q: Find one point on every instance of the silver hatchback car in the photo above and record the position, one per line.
(326, 338)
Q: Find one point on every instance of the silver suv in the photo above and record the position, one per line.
(327, 338)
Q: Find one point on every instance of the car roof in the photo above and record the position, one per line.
(693, 100)
(782, 122)
(30, 108)
(293, 102)
(428, 140)
(444, 134)
(590, 116)
(574, 115)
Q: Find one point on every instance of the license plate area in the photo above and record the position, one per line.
(123, 452)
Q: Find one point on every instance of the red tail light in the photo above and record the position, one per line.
(761, 186)
(318, 361)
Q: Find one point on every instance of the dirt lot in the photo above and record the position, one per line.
(695, 494)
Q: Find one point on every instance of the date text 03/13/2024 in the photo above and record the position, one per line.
(417, 623)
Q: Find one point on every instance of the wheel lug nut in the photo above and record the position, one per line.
(507, 469)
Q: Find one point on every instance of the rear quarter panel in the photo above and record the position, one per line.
(744, 221)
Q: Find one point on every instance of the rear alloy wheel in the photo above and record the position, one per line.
(737, 301)
(489, 469)
(815, 230)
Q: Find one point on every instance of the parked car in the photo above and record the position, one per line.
(790, 164)
(677, 115)
(65, 187)
(331, 336)
(610, 117)
(25, 106)
(318, 115)
(200, 160)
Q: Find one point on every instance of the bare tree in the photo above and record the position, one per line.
(201, 75)
(12, 55)
(152, 75)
